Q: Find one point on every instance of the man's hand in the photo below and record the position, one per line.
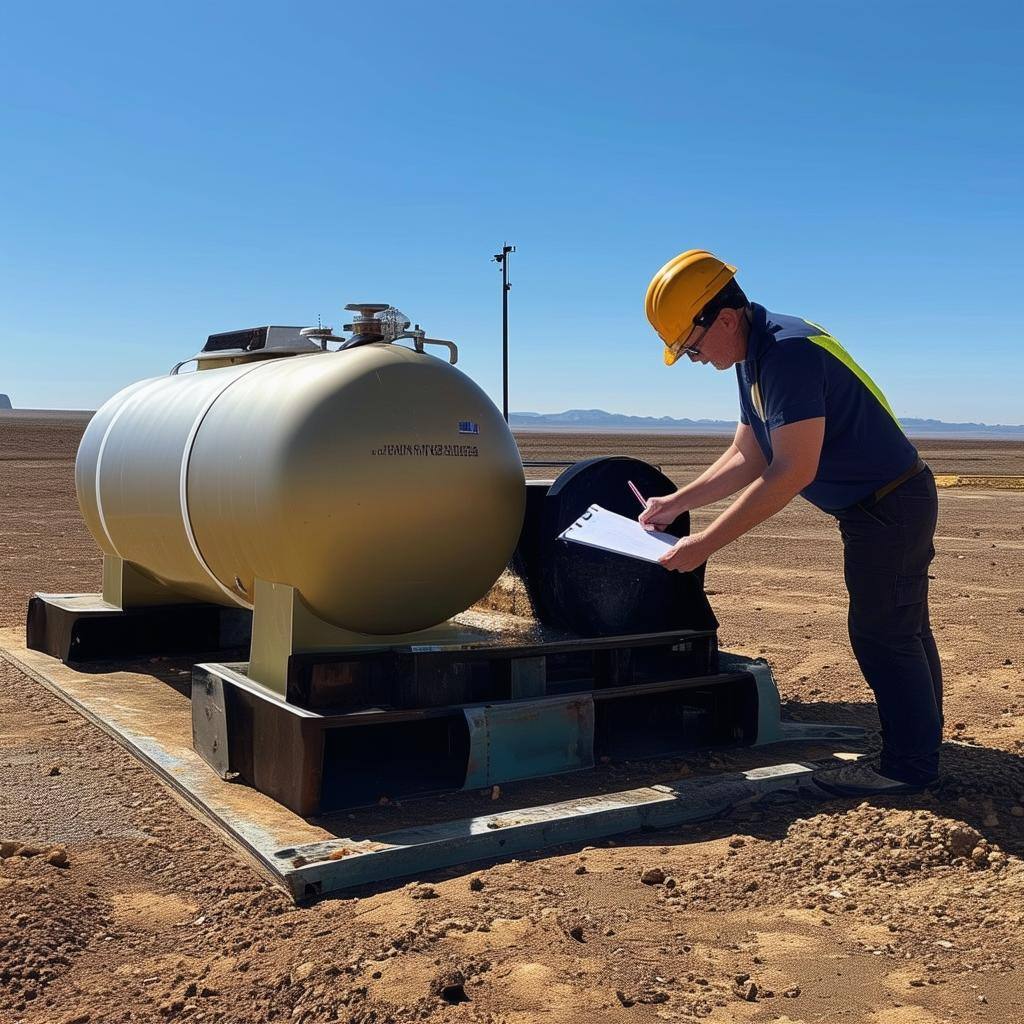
(660, 513)
(687, 554)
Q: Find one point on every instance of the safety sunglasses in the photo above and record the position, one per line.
(704, 319)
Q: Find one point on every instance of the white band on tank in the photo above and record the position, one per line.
(186, 456)
(130, 400)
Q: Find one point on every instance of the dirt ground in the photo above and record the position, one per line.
(117, 905)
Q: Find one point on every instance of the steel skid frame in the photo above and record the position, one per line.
(473, 705)
(546, 709)
(238, 726)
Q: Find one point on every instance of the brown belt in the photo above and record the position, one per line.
(916, 468)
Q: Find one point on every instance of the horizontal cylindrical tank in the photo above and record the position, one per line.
(381, 483)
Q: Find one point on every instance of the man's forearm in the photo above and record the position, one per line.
(797, 452)
(725, 477)
(769, 494)
(716, 467)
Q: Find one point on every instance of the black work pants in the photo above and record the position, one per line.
(887, 547)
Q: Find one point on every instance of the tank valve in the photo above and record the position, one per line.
(366, 322)
(379, 322)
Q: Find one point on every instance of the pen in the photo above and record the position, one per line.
(639, 496)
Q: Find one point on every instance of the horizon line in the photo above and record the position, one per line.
(690, 425)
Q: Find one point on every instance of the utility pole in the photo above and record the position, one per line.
(501, 258)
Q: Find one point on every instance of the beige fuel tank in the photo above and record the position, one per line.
(380, 482)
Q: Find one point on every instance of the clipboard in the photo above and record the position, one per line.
(599, 528)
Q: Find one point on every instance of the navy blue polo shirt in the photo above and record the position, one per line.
(796, 370)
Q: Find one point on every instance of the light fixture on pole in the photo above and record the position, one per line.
(501, 258)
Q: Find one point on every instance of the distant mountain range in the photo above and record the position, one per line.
(598, 419)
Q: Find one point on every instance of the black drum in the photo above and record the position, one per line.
(599, 593)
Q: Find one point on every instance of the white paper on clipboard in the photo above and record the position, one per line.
(599, 528)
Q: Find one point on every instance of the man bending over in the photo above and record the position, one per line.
(812, 422)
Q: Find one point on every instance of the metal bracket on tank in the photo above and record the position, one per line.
(125, 586)
(419, 339)
(283, 625)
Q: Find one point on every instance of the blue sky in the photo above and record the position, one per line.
(174, 170)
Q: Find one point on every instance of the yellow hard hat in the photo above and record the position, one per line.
(679, 291)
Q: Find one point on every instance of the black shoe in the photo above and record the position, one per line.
(862, 778)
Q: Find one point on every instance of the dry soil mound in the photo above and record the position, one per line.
(46, 920)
